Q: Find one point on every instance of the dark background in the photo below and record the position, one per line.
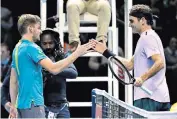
(75, 90)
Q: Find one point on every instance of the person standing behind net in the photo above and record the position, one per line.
(26, 75)
(148, 62)
(55, 98)
(101, 8)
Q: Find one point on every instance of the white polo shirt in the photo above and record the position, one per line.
(150, 44)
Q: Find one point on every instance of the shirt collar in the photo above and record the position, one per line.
(146, 31)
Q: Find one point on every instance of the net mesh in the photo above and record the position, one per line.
(106, 106)
(110, 109)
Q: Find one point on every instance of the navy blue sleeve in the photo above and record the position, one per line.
(5, 89)
(70, 71)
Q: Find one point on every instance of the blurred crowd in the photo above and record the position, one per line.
(165, 25)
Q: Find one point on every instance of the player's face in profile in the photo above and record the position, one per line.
(134, 23)
(36, 31)
(47, 44)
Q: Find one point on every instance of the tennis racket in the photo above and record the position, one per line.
(122, 74)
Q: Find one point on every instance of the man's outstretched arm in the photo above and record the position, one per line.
(57, 67)
(101, 48)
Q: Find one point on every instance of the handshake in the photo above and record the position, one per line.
(92, 46)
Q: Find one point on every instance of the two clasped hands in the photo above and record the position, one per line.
(92, 46)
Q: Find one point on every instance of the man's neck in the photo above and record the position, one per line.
(145, 28)
(28, 37)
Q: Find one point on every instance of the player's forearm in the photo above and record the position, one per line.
(13, 92)
(60, 65)
(7, 106)
(157, 66)
(4, 95)
(127, 62)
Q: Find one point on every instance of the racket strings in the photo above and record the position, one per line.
(120, 71)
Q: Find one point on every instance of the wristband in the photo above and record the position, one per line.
(107, 53)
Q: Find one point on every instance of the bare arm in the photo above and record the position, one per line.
(129, 63)
(57, 67)
(101, 48)
(157, 66)
(13, 86)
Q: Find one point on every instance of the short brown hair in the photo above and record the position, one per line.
(25, 20)
(140, 11)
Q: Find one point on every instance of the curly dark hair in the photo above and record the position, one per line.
(140, 11)
(58, 50)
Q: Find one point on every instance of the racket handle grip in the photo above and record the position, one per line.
(146, 90)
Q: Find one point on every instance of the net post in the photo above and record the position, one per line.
(93, 109)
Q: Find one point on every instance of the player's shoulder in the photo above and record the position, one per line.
(17, 46)
(150, 36)
(33, 46)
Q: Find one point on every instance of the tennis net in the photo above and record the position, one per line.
(106, 106)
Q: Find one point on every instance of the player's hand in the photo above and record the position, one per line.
(7, 106)
(100, 47)
(85, 48)
(13, 112)
(139, 81)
